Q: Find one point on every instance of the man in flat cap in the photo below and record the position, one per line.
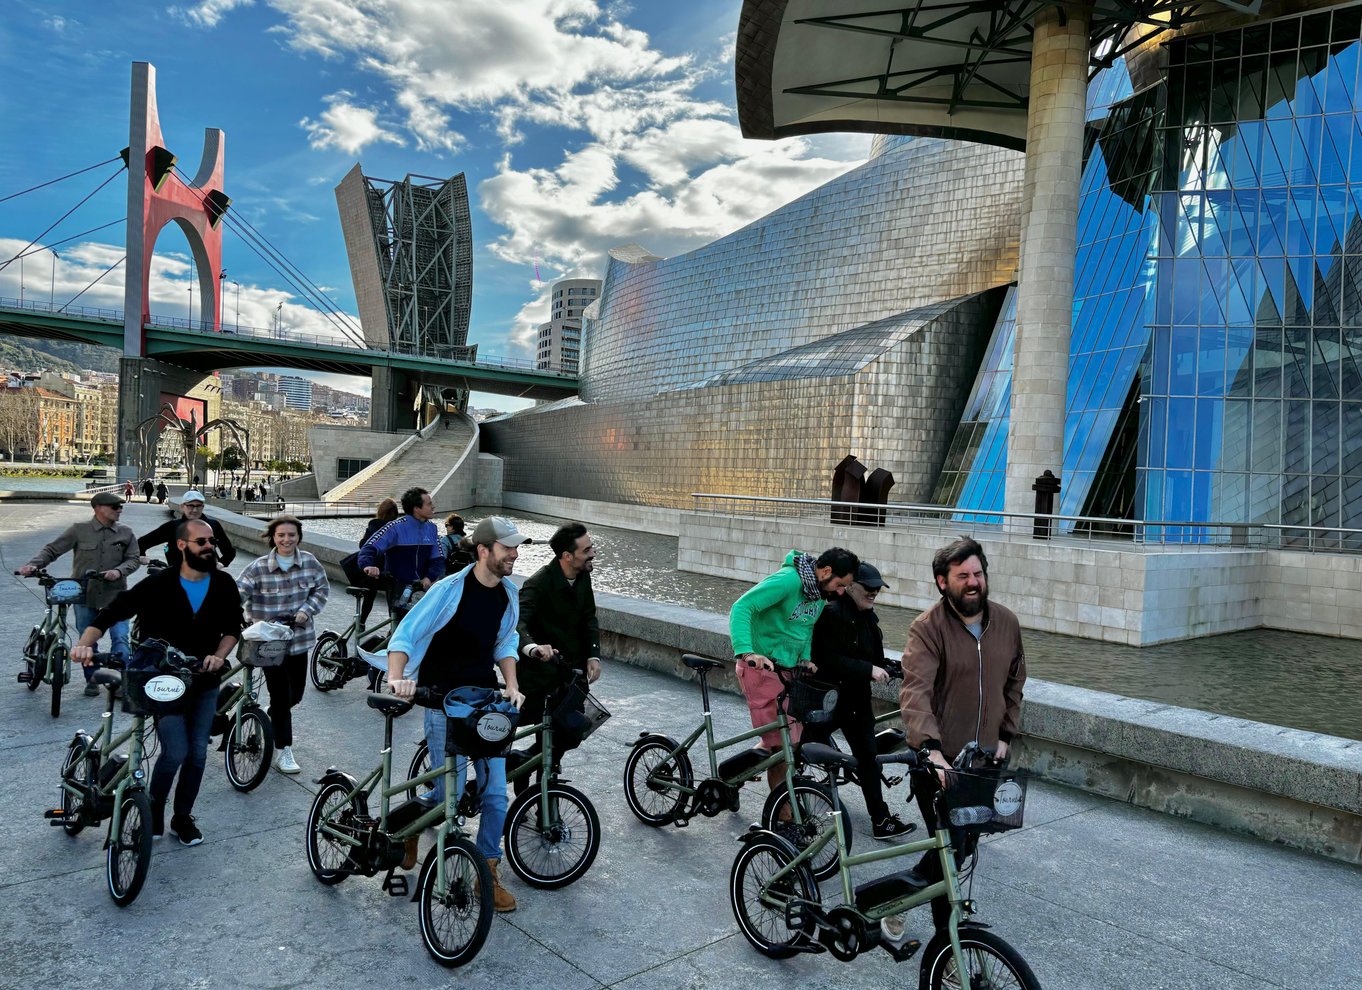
(104, 545)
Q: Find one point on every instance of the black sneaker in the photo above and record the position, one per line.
(891, 827)
(91, 689)
(158, 819)
(184, 829)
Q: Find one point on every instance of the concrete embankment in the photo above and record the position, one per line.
(1301, 789)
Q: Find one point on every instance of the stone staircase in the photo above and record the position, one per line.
(424, 463)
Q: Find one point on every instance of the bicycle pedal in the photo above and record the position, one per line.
(681, 822)
(56, 815)
(893, 781)
(904, 952)
(24, 677)
(395, 884)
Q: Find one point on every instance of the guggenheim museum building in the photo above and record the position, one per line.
(1120, 241)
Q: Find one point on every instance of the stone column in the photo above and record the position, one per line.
(1045, 286)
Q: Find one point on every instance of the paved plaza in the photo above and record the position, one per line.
(1094, 893)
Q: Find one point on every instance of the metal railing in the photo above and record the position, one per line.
(490, 362)
(1160, 535)
(310, 509)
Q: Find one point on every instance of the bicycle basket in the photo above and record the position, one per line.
(986, 800)
(576, 716)
(479, 723)
(263, 653)
(152, 684)
(811, 700)
(66, 592)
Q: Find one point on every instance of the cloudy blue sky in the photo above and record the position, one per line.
(579, 125)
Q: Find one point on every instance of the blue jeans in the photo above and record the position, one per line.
(184, 747)
(491, 776)
(118, 632)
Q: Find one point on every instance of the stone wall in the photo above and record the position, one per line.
(639, 518)
(330, 443)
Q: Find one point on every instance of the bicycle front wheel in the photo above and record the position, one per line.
(250, 746)
(653, 778)
(80, 771)
(57, 664)
(35, 652)
(455, 920)
(759, 904)
(129, 852)
(326, 666)
(990, 961)
(552, 852)
(815, 817)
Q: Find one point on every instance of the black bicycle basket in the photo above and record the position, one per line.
(156, 680)
(811, 700)
(986, 799)
(576, 716)
(479, 723)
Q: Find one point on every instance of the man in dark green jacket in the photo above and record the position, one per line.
(557, 613)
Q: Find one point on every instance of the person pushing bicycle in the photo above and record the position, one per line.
(963, 673)
(196, 609)
(104, 545)
(457, 635)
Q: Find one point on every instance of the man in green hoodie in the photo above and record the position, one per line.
(771, 626)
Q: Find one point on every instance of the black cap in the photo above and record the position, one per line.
(869, 578)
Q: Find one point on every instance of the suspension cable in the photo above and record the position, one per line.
(63, 217)
(49, 182)
(92, 284)
(48, 247)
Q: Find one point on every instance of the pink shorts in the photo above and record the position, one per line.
(762, 690)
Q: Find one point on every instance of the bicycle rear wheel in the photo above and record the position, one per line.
(759, 905)
(653, 780)
(815, 813)
(35, 654)
(80, 770)
(326, 668)
(250, 746)
(455, 921)
(989, 959)
(328, 856)
(129, 852)
(553, 853)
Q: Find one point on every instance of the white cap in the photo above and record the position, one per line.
(193, 495)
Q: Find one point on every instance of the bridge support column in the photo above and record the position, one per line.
(1045, 284)
(145, 387)
(392, 401)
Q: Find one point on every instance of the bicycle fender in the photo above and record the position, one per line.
(756, 832)
(652, 737)
(334, 776)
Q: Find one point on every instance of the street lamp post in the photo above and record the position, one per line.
(191, 303)
(21, 280)
(279, 318)
(222, 285)
(52, 291)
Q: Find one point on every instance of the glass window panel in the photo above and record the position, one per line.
(1252, 82)
(1229, 497)
(1256, 39)
(1350, 509)
(1350, 430)
(1308, 133)
(1239, 361)
(1224, 91)
(1315, 29)
(1152, 487)
(1325, 364)
(1206, 451)
(1272, 222)
(1182, 361)
(1334, 147)
(1300, 289)
(1281, 84)
(1325, 495)
(1350, 361)
(1296, 358)
(1296, 437)
(1177, 496)
(1331, 223)
(1187, 275)
(1181, 432)
(1210, 364)
(1267, 362)
(1246, 222)
(1307, 99)
(1355, 156)
(1201, 500)
(1271, 283)
(1324, 446)
(1265, 498)
(1267, 436)
(1347, 26)
(1237, 431)
(1276, 152)
(1246, 148)
(1156, 409)
(1196, 95)
(1286, 34)
(1296, 500)
(1300, 231)
(1159, 353)
(1212, 292)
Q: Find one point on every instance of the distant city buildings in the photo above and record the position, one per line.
(560, 339)
(297, 391)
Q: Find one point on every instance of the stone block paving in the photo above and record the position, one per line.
(1094, 893)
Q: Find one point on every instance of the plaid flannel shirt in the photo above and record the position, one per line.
(267, 591)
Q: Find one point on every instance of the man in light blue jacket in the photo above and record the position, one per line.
(457, 635)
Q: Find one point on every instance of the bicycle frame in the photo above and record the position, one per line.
(106, 745)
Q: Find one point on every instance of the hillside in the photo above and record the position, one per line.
(26, 354)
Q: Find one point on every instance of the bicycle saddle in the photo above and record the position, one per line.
(701, 663)
(355, 592)
(820, 755)
(106, 678)
(387, 704)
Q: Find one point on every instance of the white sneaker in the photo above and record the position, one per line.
(286, 763)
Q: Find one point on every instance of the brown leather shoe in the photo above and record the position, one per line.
(411, 852)
(501, 897)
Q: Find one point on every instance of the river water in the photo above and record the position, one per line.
(1307, 682)
(19, 483)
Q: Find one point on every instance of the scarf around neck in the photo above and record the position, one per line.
(804, 565)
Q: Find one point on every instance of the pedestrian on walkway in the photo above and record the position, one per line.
(197, 610)
(963, 673)
(384, 514)
(161, 493)
(457, 635)
(771, 626)
(287, 581)
(128, 491)
(148, 489)
(191, 507)
(408, 548)
(848, 650)
(104, 545)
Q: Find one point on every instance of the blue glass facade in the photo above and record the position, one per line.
(1214, 362)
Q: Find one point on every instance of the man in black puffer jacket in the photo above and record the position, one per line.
(848, 650)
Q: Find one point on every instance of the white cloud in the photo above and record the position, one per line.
(208, 13)
(347, 127)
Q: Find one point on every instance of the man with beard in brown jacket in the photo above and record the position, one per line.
(963, 673)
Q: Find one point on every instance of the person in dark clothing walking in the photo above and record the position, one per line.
(848, 650)
(148, 489)
(196, 609)
(557, 614)
(161, 493)
(191, 508)
(386, 513)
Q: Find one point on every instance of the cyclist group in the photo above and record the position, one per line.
(963, 668)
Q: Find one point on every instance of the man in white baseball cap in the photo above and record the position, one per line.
(191, 508)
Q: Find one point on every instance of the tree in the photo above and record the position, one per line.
(19, 420)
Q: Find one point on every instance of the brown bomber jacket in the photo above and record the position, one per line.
(956, 688)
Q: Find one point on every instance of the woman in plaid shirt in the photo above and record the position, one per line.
(286, 581)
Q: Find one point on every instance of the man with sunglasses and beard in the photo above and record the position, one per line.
(196, 608)
(963, 673)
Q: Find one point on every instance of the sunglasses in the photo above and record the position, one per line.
(204, 541)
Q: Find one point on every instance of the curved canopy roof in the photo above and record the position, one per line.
(937, 68)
